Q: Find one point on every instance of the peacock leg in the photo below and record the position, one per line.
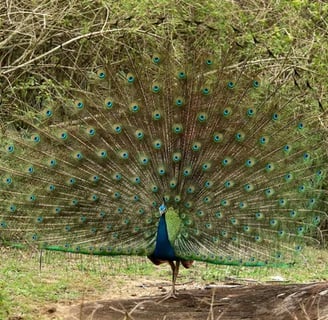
(175, 271)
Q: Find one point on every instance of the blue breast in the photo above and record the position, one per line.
(163, 249)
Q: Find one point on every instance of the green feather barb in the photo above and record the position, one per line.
(173, 224)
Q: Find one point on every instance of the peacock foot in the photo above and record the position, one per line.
(170, 295)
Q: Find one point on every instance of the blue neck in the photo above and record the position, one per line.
(163, 249)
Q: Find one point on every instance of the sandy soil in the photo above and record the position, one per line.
(140, 300)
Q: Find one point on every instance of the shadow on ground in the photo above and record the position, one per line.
(278, 302)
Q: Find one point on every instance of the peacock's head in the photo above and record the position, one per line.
(162, 209)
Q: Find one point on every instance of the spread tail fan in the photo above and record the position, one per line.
(179, 149)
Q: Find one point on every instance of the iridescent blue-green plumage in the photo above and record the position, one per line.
(236, 152)
(163, 248)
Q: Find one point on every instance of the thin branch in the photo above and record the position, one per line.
(82, 36)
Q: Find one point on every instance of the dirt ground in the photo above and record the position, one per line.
(212, 302)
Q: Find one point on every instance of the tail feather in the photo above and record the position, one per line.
(237, 152)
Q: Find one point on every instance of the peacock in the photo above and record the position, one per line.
(177, 146)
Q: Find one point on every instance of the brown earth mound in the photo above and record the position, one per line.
(268, 302)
